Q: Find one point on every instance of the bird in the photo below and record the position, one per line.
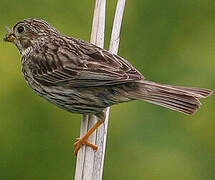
(83, 78)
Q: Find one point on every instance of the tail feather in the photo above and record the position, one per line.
(175, 102)
(196, 92)
(201, 92)
(182, 99)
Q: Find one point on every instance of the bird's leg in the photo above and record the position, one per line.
(88, 144)
(83, 140)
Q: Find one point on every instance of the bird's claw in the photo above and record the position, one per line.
(80, 142)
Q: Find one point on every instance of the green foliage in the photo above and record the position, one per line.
(169, 41)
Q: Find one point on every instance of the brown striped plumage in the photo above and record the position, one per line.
(83, 78)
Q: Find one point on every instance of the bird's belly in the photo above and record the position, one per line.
(88, 100)
(70, 99)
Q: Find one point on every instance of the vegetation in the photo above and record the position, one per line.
(169, 42)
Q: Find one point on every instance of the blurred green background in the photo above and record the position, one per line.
(169, 41)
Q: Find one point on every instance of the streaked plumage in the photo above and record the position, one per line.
(83, 78)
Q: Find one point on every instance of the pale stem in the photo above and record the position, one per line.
(89, 165)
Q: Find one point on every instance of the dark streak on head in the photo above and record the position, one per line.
(37, 24)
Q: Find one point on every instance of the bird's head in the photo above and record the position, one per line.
(29, 33)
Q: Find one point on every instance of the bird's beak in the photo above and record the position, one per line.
(10, 36)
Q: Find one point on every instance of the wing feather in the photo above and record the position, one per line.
(78, 63)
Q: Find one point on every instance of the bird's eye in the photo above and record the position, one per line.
(20, 29)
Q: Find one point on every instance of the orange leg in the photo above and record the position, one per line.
(83, 140)
(88, 144)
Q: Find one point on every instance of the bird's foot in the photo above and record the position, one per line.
(80, 142)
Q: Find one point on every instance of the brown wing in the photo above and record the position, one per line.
(78, 63)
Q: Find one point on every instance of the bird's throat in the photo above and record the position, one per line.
(27, 51)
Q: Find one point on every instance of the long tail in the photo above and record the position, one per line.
(182, 99)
